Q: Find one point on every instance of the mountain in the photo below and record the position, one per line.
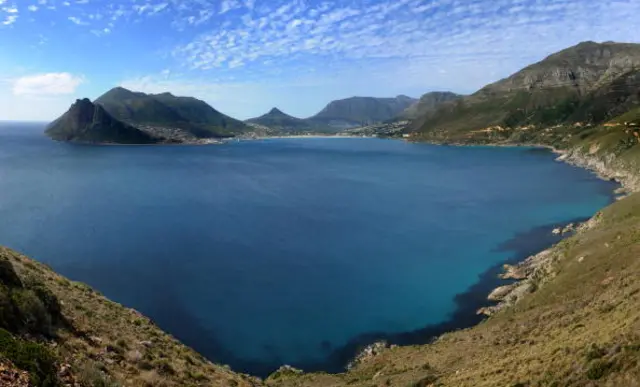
(357, 111)
(168, 111)
(276, 119)
(590, 82)
(88, 122)
(428, 103)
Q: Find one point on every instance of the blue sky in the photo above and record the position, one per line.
(246, 56)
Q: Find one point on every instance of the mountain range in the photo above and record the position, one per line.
(168, 118)
(585, 84)
(588, 83)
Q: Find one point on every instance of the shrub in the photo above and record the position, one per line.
(8, 318)
(34, 358)
(92, 376)
(595, 352)
(33, 312)
(598, 369)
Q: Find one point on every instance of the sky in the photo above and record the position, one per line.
(244, 57)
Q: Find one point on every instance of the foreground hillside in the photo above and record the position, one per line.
(64, 333)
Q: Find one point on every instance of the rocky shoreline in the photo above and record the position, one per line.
(526, 276)
(538, 269)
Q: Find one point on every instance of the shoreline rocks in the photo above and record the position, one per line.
(369, 352)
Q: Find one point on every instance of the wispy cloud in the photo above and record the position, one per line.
(78, 21)
(9, 20)
(46, 84)
(350, 46)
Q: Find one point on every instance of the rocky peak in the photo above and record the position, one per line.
(274, 111)
(580, 67)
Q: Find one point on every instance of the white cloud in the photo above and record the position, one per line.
(9, 20)
(32, 8)
(228, 5)
(78, 21)
(46, 84)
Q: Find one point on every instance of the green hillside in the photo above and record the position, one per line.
(587, 83)
(168, 111)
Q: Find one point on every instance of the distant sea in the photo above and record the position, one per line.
(287, 251)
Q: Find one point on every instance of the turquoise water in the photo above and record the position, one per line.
(287, 250)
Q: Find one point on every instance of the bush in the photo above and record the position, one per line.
(598, 369)
(92, 376)
(8, 318)
(34, 358)
(33, 312)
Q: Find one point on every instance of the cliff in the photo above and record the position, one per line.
(87, 122)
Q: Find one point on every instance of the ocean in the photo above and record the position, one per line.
(287, 251)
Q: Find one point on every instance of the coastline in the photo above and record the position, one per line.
(518, 276)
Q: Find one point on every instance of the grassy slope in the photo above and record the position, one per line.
(107, 344)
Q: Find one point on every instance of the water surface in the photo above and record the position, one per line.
(284, 251)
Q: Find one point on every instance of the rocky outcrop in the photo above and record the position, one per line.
(606, 166)
(369, 352)
(428, 103)
(90, 123)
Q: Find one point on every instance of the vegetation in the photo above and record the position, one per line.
(587, 84)
(32, 357)
(169, 111)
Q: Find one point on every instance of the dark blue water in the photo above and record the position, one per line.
(290, 250)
